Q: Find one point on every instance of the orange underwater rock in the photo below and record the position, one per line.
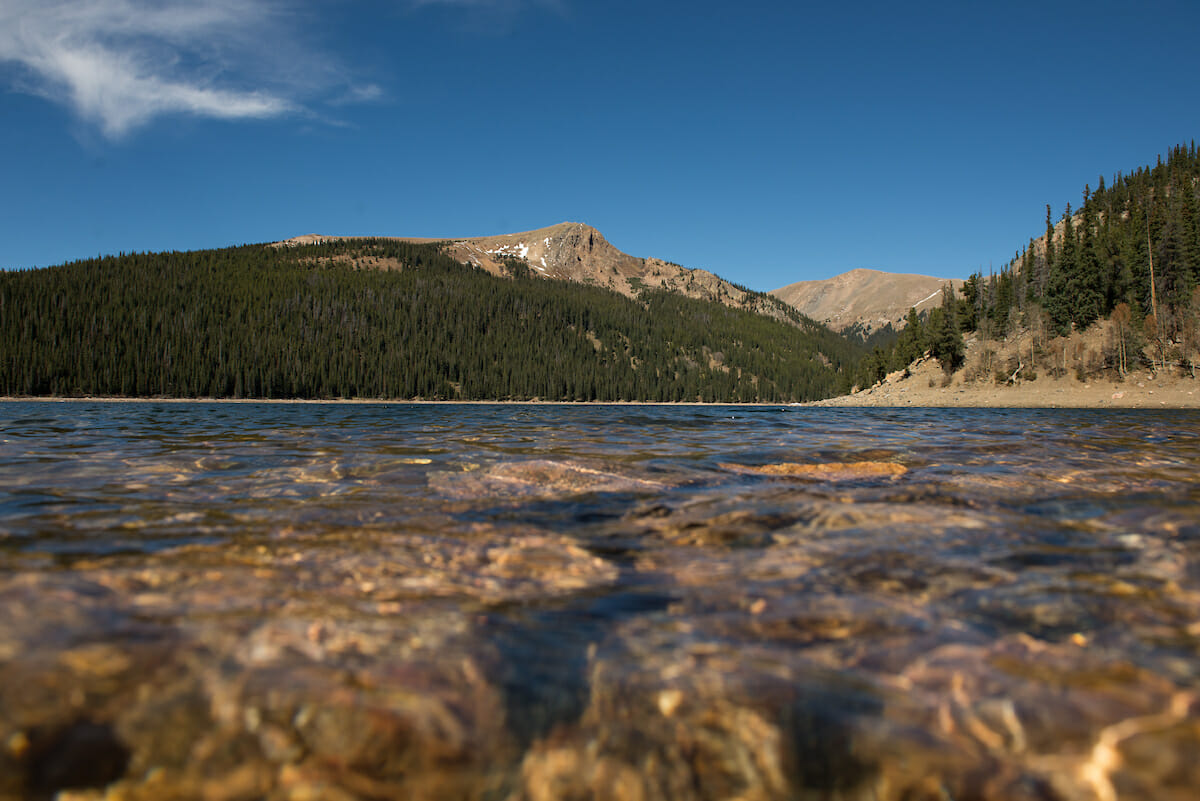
(829, 471)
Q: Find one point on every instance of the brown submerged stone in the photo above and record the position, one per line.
(677, 717)
(544, 478)
(828, 471)
(675, 714)
(351, 668)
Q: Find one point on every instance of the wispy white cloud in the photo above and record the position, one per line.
(121, 63)
(366, 93)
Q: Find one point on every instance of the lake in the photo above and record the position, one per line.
(533, 602)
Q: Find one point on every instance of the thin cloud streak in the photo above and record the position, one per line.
(358, 95)
(121, 63)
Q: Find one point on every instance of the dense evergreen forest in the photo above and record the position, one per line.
(1131, 248)
(307, 322)
(1130, 252)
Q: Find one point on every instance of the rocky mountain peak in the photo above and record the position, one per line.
(574, 251)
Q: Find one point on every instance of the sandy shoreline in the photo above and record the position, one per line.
(923, 388)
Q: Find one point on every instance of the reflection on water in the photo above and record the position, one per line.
(290, 601)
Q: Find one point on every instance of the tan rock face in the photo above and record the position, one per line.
(567, 251)
(578, 252)
(572, 251)
(869, 298)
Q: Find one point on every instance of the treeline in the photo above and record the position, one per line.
(1132, 247)
(304, 322)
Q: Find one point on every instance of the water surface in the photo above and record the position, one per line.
(611, 602)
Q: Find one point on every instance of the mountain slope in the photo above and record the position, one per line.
(386, 319)
(868, 298)
(577, 252)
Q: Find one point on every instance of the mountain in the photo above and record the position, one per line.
(868, 299)
(572, 251)
(373, 318)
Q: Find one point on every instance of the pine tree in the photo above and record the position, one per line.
(1062, 271)
(910, 345)
(1042, 282)
(1085, 283)
(946, 340)
(972, 303)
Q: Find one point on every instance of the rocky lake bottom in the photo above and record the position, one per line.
(621, 603)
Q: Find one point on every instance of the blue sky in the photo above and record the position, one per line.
(769, 142)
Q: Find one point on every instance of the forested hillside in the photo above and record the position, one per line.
(301, 322)
(1130, 252)
(1132, 247)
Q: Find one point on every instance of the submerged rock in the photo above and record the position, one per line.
(673, 716)
(541, 478)
(828, 471)
(330, 671)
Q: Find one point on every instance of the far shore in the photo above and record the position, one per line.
(369, 401)
(923, 388)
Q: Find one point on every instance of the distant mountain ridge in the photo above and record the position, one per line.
(868, 299)
(573, 251)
